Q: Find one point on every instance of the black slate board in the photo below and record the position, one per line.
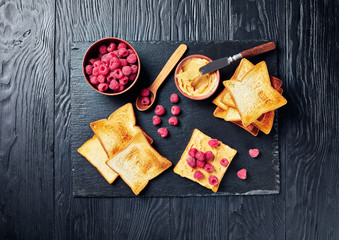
(88, 105)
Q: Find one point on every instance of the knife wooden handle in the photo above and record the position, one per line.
(258, 50)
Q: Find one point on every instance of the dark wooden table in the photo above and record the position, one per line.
(36, 199)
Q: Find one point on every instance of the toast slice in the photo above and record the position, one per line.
(95, 154)
(200, 140)
(254, 95)
(118, 130)
(220, 113)
(138, 163)
(232, 114)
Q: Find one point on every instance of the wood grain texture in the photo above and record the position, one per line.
(260, 217)
(312, 183)
(26, 116)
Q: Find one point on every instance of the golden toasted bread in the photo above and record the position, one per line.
(232, 114)
(219, 113)
(254, 95)
(118, 130)
(95, 154)
(200, 141)
(138, 163)
(224, 100)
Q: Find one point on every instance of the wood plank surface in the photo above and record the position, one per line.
(26, 117)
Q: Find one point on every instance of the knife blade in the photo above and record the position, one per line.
(223, 62)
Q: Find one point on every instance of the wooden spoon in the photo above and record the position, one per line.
(174, 59)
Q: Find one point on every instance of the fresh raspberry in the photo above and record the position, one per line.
(93, 79)
(121, 87)
(209, 156)
(88, 69)
(134, 68)
(102, 87)
(145, 101)
(254, 152)
(175, 110)
(163, 132)
(132, 77)
(95, 71)
(173, 121)
(126, 70)
(192, 152)
(114, 85)
(224, 162)
(145, 92)
(101, 79)
(156, 120)
(92, 60)
(116, 53)
(115, 60)
(110, 77)
(213, 143)
(200, 156)
(97, 63)
(103, 70)
(111, 47)
(132, 58)
(123, 52)
(174, 98)
(191, 162)
(118, 73)
(123, 80)
(102, 49)
(122, 45)
(213, 180)
(242, 174)
(113, 64)
(105, 59)
(159, 110)
(208, 167)
(198, 175)
(123, 62)
(112, 55)
(200, 164)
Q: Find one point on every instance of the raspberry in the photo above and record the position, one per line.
(242, 174)
(116, 53)
(121, 87)
(163, 132)
(200, 164)
(88, 69)
(254, 153)
(123, 80)
(130, 51)
(174, 98)
(208, 167)
(156, 120)
(209, 156)
(102, 87)
(175, 110)
(198, 175)
(145, 92)
(123, 52)
(105, 59)
(173, 121)
(191, 162)
(111, 55)
(126, 70)
(92, 60)
(134, 68)
(118, 73)
(132, 58)
(132, 77)
(213, 143)
(213, 180)
(113, 65)
(159, 110)
(114, 85)
(102, 49)
(192, 152)
(110, 77)
(95, 71)
(103, 70)
(200, 156)
(145, 101)
(123, 62)
(224, 162)
(111, 47)
(93, 79)
(101, 79)
(97, 63)
(122, 45)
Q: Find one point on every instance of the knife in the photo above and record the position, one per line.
(223, 62)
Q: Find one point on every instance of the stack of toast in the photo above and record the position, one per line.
(250, 98)
(120, 148)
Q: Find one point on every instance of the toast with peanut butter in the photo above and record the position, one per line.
(138, 162)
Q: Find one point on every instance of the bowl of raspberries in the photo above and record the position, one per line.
(111, 66)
